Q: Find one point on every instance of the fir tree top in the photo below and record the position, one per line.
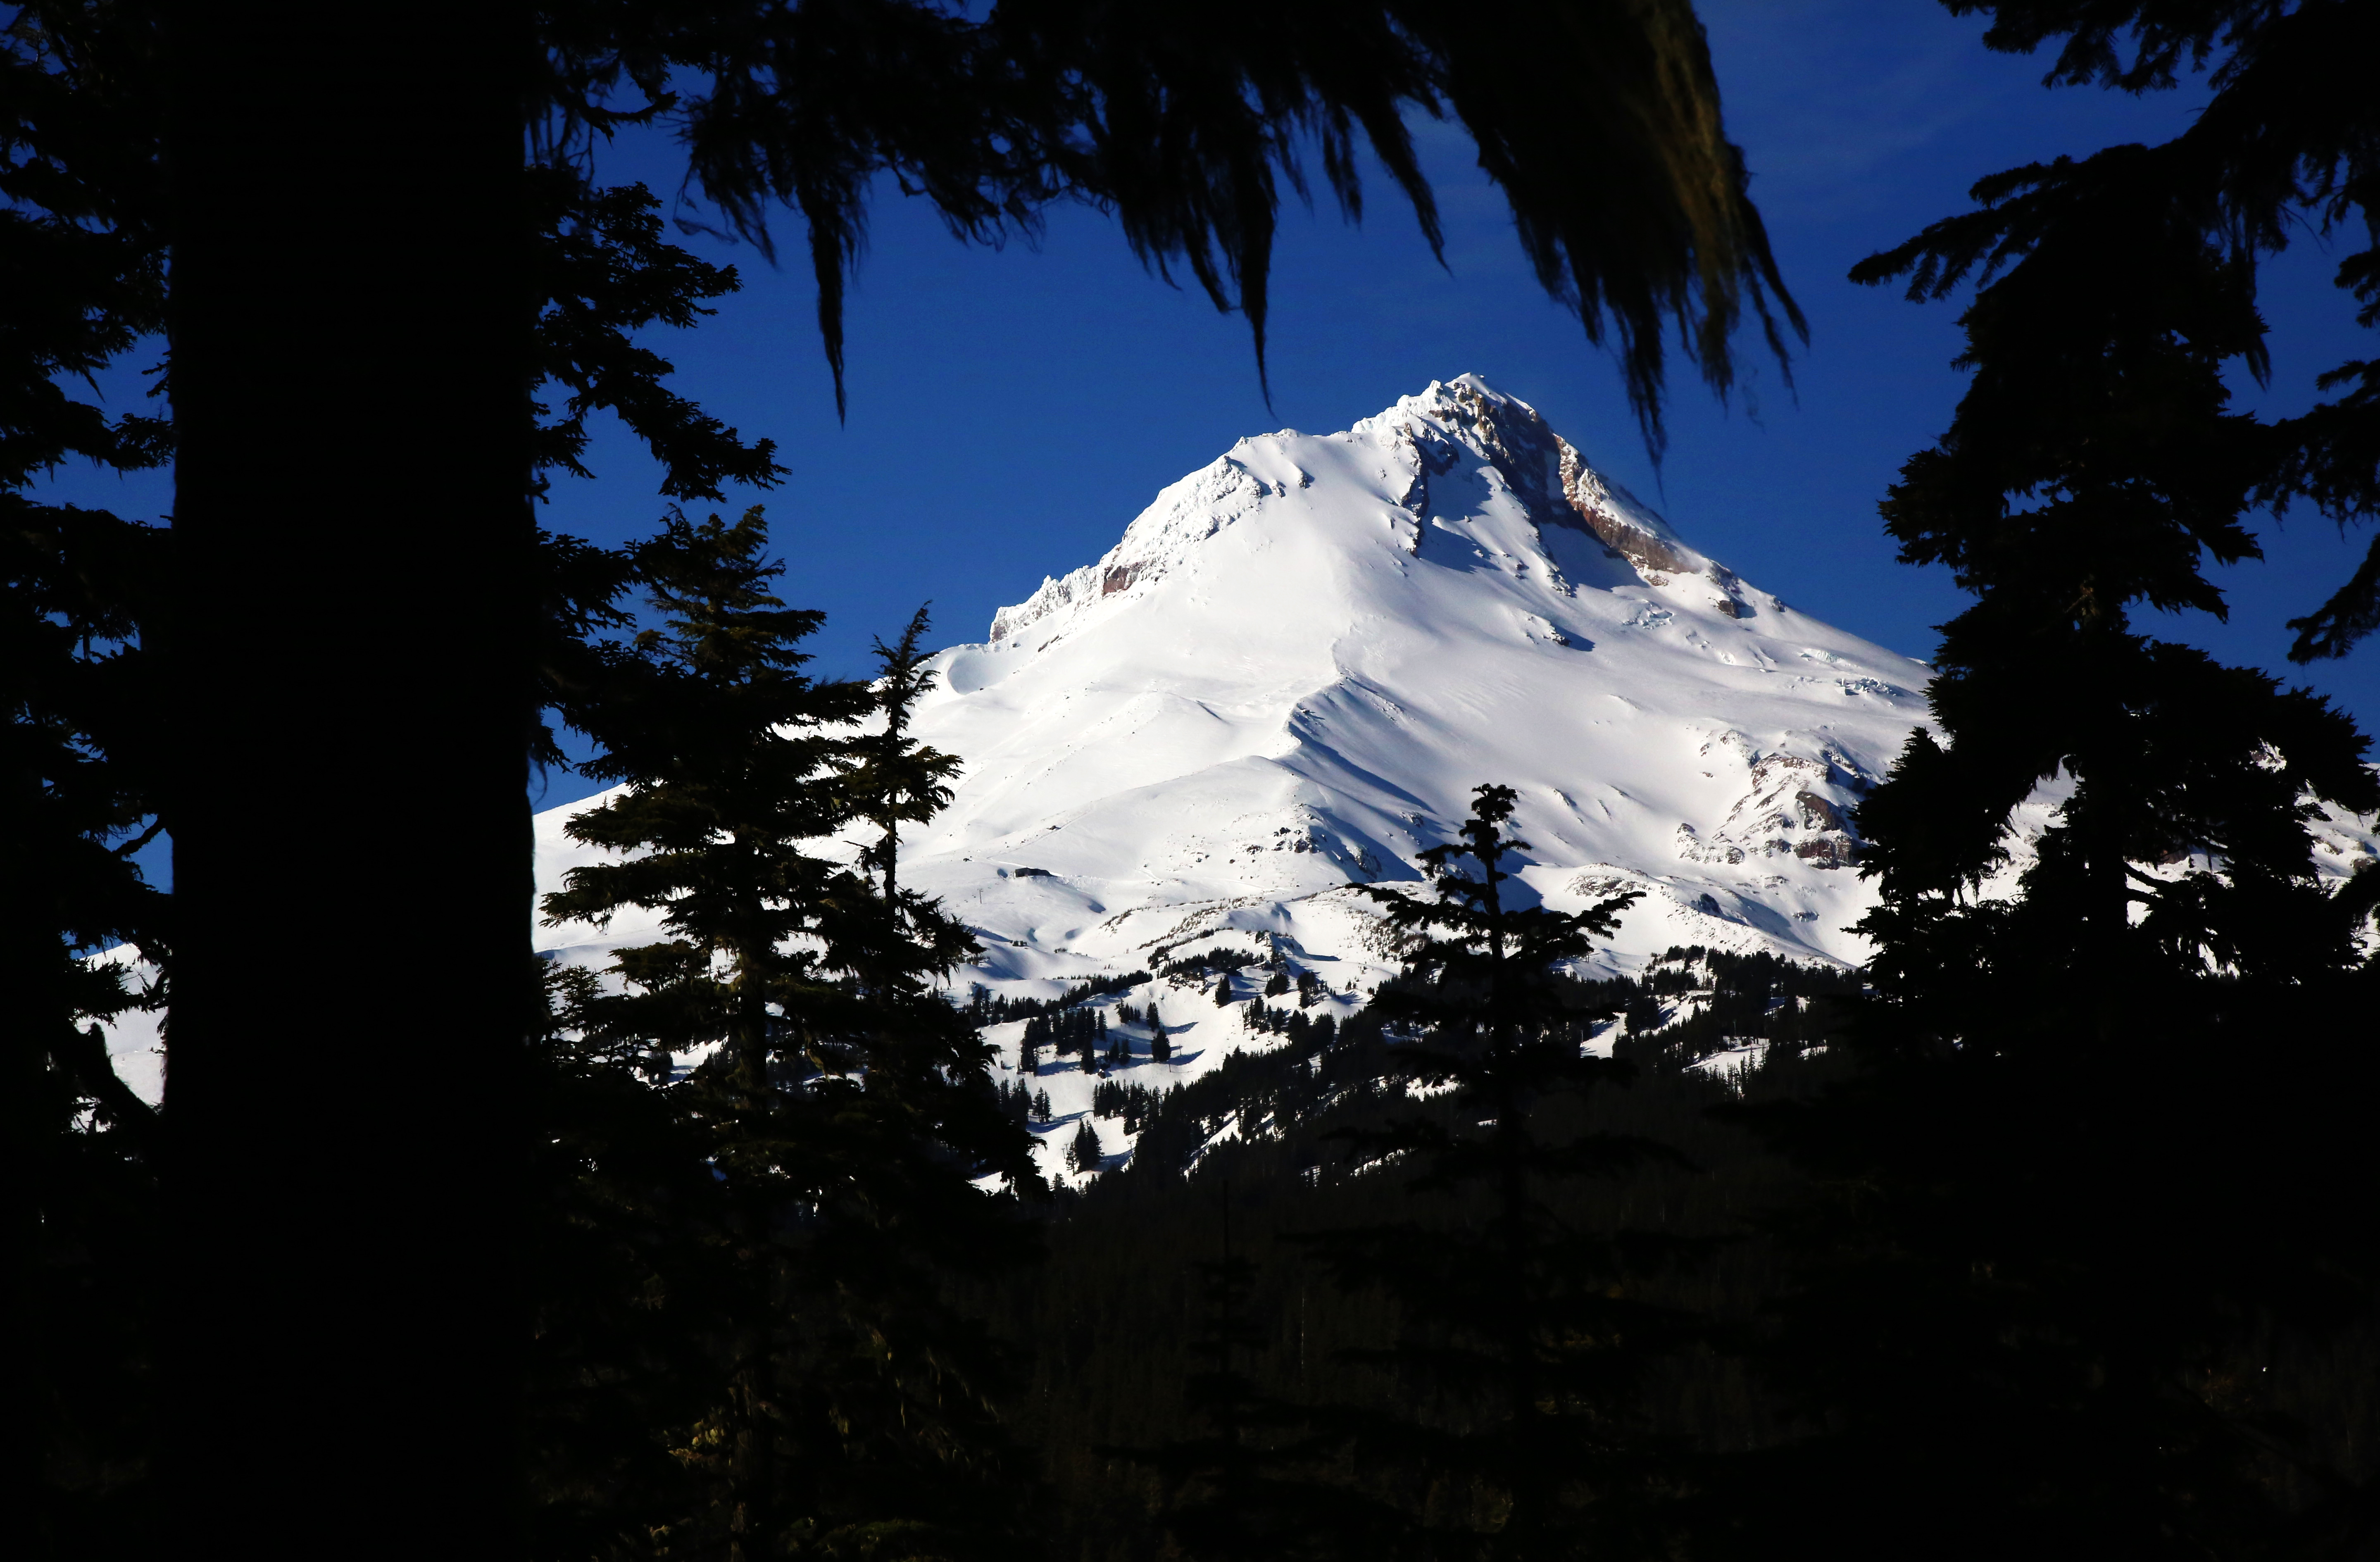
(1471, 960)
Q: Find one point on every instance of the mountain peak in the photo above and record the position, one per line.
(1449, 440)
(1551, 475)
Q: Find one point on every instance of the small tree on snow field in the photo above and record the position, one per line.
(1160, 1046)
(1086, 1153)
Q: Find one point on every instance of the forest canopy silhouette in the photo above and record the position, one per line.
(2046, 1232)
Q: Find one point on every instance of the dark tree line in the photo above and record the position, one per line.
(2093, 1202)
(988, 1008)
(1444, 1303)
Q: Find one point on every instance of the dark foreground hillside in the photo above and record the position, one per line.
(1186, 1350)
(1123, 1326)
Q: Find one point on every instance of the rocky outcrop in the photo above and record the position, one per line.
(1793, 808)
(1562, 490)
(1589, 498)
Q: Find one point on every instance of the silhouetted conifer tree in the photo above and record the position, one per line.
(2134, 241)
(1177, 126)
(847, 1104)
(2038, 1257)
(83, 246)
(1523, 1345)
(89, 200)
(897, 780)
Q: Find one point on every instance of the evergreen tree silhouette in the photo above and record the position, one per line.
(565, 275)
(2134, 241)
(1085, 1154)
(630, 1280)
(81, 764)
(898, 780)
(847, 1105)
(91, 652)
(1522, 1345)
(1160, 1045)
(2034, 1258)
(331, 349)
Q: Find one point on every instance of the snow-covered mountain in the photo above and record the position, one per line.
(1288, 676)
(1294, 667)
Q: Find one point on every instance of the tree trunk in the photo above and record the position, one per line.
(349, 330)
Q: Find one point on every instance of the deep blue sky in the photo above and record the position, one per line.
(1011, 410)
